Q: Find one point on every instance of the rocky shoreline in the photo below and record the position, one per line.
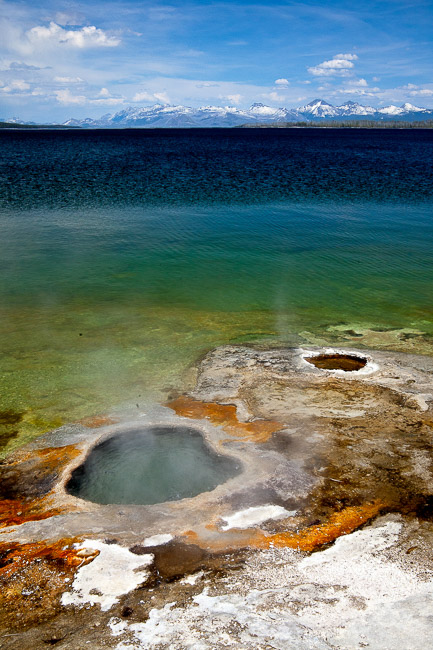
(323, 540)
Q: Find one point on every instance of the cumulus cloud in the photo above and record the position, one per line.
(17, 85)
(422, 92)
(66, 98)
(339, 66)
(360, 83)
(55, 35)
(346, 57)
(144, 96)
(283, 83)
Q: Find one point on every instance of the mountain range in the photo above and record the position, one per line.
(165, 116)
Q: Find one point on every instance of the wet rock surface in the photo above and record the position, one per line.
(335, 461)
(367, 436)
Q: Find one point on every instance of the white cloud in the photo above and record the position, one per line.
(162, 97)
(346, 57)
(207, 84)
(282, 82)
(235, 98)
(68, 80)
(20, 84)
(54, 35)
(423, 92)
(193, 92)
(340, 65)
(17, 85)
(382, 96)
(358, 87)
(109, 101)
(66, 98)
(144, 96)
(274, 97)
(369, 92)
(361, 83)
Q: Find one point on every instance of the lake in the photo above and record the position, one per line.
(128, 254)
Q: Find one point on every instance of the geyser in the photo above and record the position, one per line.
(335, 361)
(150, 465)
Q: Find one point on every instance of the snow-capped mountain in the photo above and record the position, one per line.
(353, 109)
(402, 110)
(161, 115)
(319, 108)
(15, 120)
(165, 116)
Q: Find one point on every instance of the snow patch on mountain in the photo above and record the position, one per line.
(319, 108)
(391, 110)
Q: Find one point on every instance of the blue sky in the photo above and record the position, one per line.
(64, 59)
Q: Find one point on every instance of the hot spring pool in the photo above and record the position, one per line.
(150, 465)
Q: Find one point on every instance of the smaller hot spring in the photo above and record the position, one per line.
(150, 465)
(346, 362)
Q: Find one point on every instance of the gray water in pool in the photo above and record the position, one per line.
(150, 465)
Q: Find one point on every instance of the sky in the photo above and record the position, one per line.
(67, 59)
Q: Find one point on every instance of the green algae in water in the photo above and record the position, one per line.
(87, 327)
(150, 465)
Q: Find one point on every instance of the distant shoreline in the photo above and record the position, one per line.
(355, 124)
(13, 126)
(352, 124)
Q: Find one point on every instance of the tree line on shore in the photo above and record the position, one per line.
(349, 124)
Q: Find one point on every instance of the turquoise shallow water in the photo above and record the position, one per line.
(112, 287)
(162, 464)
